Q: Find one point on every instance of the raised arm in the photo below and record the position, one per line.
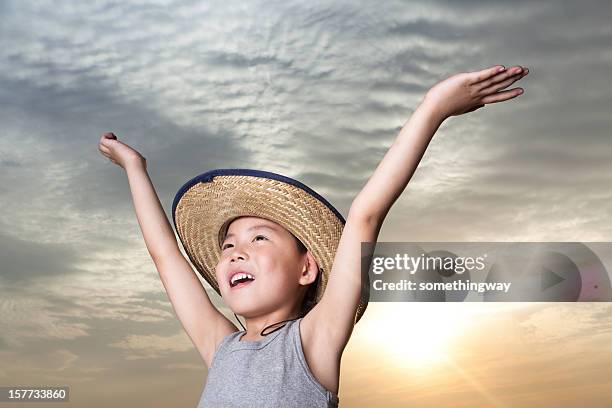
(459, 94)
(204, 324)
(333, 317)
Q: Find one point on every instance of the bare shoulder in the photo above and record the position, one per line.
(321, 353)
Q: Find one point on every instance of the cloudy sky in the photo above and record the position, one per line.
(316, 91)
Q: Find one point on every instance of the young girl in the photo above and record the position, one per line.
(283, 257)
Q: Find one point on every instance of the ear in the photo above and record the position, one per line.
(310, 269)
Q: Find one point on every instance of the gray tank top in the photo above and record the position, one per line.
(271, 372)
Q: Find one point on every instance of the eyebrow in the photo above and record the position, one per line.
(253, 228)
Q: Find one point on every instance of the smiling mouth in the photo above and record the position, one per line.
(241, 282)
(238, 285)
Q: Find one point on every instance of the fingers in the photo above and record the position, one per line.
(509, 73)
(499, 85)
(103, 149)
(106, 152)
(108, 156)
(103, 146)
(502, 96)
(479, 76)
(107, 137)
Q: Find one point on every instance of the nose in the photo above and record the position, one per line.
(237, 253)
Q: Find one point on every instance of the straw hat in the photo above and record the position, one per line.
(205, 205)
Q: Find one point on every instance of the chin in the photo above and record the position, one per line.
(243, 307)
(249, 308)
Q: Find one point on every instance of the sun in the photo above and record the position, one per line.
(417, 335)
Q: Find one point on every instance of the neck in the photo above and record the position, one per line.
(255, 324)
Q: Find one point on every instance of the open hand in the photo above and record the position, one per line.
(466, 92)
(118, 152)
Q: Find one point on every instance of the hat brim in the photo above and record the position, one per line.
(205, 205)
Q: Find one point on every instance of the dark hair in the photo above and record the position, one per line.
(309, 298)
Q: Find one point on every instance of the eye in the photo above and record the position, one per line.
(224, 247)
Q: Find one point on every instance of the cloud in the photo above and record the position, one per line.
(153, 346)
(199, 95)
(313, 91)
(24, 260)
(565, 323)
(183, 366)
(70, 309)
(56, 365)
(25, 317)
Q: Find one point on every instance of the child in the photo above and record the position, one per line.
(282, 257)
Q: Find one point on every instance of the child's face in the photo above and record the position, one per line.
(269, 252)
